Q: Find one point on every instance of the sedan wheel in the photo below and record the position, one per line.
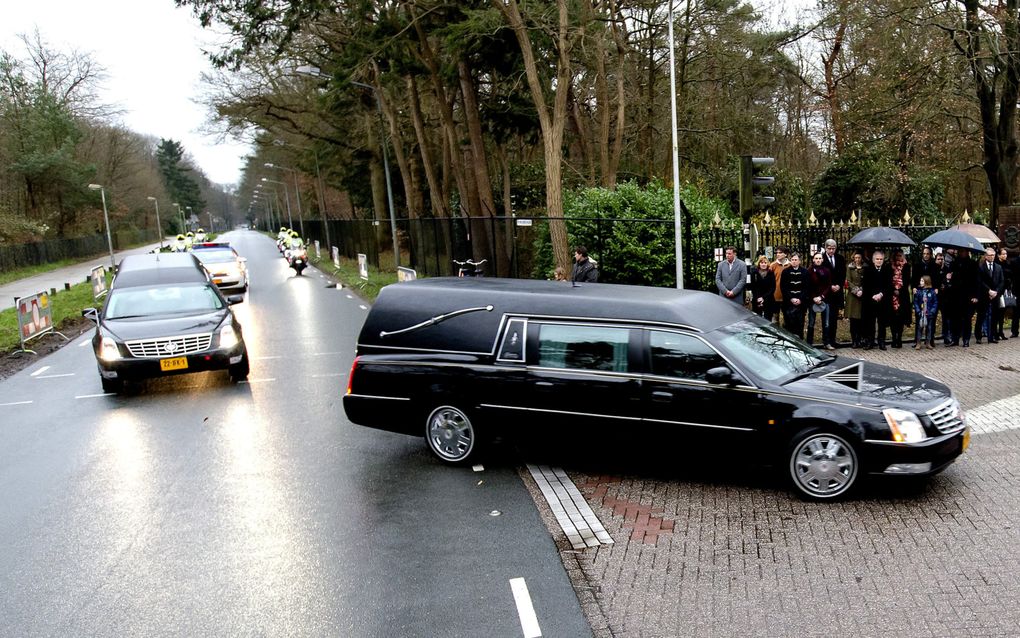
(450, 434)
(822, 465)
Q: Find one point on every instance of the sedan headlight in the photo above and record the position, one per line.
(228, 337)
(108, 350)
(905, 426)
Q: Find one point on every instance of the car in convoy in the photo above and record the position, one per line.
(460, 360)
(228, 270)
(163, 316)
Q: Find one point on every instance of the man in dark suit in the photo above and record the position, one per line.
(990, 284)
(878, 291)
(794, 282)
(836, 264)
(965, 295)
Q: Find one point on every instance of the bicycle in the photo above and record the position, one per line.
(470, 268)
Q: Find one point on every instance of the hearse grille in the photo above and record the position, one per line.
(947, 416)
(169, 346)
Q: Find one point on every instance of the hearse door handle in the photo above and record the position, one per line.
(544, 384)
(662, 395)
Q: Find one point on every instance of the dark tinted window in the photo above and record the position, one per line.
(513, 342)
(583, 347)
(683, 356)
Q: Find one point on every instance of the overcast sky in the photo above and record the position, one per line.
(152, 53)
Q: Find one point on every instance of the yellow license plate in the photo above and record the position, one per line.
(217, 281)
(966, 440)
(177, 363)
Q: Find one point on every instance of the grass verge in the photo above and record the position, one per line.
(348, 275)
(67, 307)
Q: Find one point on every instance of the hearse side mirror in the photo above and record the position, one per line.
(234, 299)
(91, 314)
(721, 376)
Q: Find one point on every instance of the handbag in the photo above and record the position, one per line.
(1007, 300)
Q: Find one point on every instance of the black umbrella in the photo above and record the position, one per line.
(881, 236)
(954, 239)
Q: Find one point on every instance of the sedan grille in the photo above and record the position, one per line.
(169, 346)
(947, 417)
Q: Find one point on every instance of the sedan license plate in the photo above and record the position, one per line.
(177, 363)
(217, 281)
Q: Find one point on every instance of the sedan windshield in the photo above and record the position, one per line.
(162, 300)
(215, 256)
(768, 351)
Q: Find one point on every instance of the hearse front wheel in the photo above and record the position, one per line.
(450, 435)
(823, 465)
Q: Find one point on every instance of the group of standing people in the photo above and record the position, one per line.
(880, 294)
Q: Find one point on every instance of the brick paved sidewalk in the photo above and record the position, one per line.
(704, 555)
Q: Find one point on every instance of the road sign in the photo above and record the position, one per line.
(406, 274)
(363, 266)
(98, 278)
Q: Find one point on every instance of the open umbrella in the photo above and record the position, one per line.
(953, 239)
(881, 236)
(982, 233)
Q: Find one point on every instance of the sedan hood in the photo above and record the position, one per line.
(164, 326)
(881, 386)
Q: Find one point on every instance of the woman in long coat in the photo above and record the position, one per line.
(854, 271)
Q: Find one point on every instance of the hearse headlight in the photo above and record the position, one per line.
(108, 350)
(228, 337)
(905, 426)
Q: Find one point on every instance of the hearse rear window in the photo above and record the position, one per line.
(683, 356)
(583, 347)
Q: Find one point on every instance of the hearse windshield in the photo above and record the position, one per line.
(768, 351)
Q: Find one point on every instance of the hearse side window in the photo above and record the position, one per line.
(512, 348)
(583, 347)
(683, 356)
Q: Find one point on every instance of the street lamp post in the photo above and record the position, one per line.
(106, 218)
(386, 169)
(190, 213)
(180, 210)
(297, 193)
(286, 198)
(159, 228)
(211, 229)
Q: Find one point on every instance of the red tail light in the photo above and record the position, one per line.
(350, 375)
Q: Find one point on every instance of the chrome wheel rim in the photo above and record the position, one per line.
(450, 434)
(824, 465)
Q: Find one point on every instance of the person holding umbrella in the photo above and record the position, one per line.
(965, 273)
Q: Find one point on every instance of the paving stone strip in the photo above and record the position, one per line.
(997, 416)
(580, 524)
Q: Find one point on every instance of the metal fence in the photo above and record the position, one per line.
(629, 251)
(36, 253)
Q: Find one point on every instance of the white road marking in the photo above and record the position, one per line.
(93, 396)
(85, 343)
(40, 371)
(478, 468)
(525, 608)
(997, 416)
(54, 376)
(580, 524)
(268, 356)
(257, 380)
(350, 296)
(324, 354)
(363, 306)
(321, 376)
(15, 403)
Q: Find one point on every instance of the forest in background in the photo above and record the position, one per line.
(493, 107)
(57, 137)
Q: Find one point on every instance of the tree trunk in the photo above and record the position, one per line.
(616, 22)
(551, 123)
(436, 200)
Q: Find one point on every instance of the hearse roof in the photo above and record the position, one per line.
(160, 268)
(403, 305)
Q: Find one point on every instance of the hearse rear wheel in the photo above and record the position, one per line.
(450, 435)
(823, 466)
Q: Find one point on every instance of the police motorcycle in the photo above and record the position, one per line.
(296, 254)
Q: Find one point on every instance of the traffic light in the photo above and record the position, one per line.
(749, 182)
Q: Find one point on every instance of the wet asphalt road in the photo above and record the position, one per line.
(196, 507)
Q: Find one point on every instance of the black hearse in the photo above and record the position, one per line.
(458, 360)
